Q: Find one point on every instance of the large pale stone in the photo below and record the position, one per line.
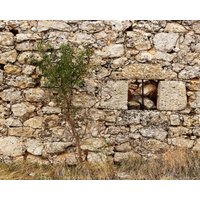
(21, 109)
(165, 41)
(181, 142)
(21, 131)
(66, 158)
(35, 122)
(34, 94)
(179, 131)
(115, 95)
(194, 84)
(26, 46)
(144, 71)
(12, 69)
(153, 132)
(6, 39)
(57, 147)
(11, 95)
(83, 100)
(123, 147)
(120, 157)
(9, 56)
(139, 40)
(171, 95)
(93, 144)
(26, 57)
(112, 51)
(12, 122)
(11, 146)
(44, 25)
(174, 120)
(34, 147)
(196, 27)
(27, 36)
(175, 28)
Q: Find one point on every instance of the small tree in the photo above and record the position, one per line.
(64, 69)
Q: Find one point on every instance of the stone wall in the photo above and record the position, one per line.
(165, 53)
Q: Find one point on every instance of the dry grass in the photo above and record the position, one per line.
(174, 164)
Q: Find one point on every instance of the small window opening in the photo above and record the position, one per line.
(142, 95)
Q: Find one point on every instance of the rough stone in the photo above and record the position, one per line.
(196, 27)
(44, 25)
(164, 56)
(190, 72)
(57, 147)
(26, 46)
(181, 142)
(120, 157)
(175, 28)
(96, 157)
(92, 26)
(12, 122)
(34, 147)
(28, 69)
(84, 100)
(26, 57)
(21, 37)
(179, 131)
(175, 120)
(111, 51)
(7, 57)
(138, 40)
(194, 84)
(35, 122)
(51, 110)
(123, 147)
(196, 102)
(6, 39)
(34, 95)
(11, 95)
(1, 76)
(21, 109)
(171, 95)
(144, 71)
(165, 41)
(93, 144)
(115, 95)
(154, 132)
(10, 146)
(12, 69)
(21, 131)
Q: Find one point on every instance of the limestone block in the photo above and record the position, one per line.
(51, 110)
(144, 71)
(34, 147)
(26, 46)
(44, 25)
(175, 28)
(27, 36)
(190, 72)
(181, 142)
(171, 95)
(35, 122)
(12, 122)
(120, 157)
(138, 40)
(11, 146)
(175, 120)
(83, 100)
(21, 131)
(66, 158)
(196, 102)
(34, 95)
(82, 38)
(25, 57)
(21, 109)
(12, 69)
(179, 131)
(92, 26)
(57, 147)
(111, 51)
(165, 41)
(9, 56)
(6, 39)
(28, 69)
(21, 81)
(194, 84)
(11, 95)
(115, 95)
(96, 157)
(123, 147)
(93, 144)
(153, 132)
